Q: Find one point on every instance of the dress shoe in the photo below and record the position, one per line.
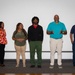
(39, 66)
(32, 66)
(2, 65)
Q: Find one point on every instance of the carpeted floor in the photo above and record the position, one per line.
(10, 67)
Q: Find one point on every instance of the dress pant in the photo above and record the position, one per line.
(73, 48)
(56, 45)
(2, 53)
(20, 50)
(35, 46)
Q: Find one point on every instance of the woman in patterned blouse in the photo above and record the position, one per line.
(3, 42)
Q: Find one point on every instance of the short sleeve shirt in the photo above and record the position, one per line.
(19, 35)
(56, 28)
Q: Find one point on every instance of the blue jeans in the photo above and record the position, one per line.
(73, 48)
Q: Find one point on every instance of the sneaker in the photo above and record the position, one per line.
(17, 65)
(51, 66)
(60, 66)
(24, 65)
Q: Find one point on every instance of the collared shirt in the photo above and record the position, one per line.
(56, 28)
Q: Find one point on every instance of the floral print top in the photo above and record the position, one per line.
(3, 39)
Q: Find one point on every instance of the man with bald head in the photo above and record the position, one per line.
(56, 30)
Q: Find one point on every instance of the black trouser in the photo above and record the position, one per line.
(2, 53)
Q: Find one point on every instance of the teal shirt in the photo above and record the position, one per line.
(56, 28)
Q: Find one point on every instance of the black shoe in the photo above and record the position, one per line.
(39, 66)
(32, 66)
(74, 65)
(2, 65)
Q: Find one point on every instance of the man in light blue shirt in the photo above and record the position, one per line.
(56, 30)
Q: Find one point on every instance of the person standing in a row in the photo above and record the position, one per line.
(3, 42)
(35, 38)
(56, 30)
(72, 38)
(20, 36)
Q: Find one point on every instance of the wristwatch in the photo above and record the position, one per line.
(63, 32)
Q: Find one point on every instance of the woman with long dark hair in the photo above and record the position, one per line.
(3, 42)
(20, 37)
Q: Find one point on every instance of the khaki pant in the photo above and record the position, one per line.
(20, 50)
(56, 45)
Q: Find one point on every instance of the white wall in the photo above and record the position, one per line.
(14, 11)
